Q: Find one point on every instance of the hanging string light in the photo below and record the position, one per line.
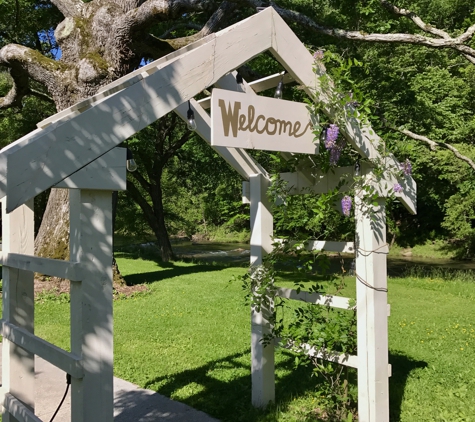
(357, 167)
(190, 116)
(130, 164)
(280, 88)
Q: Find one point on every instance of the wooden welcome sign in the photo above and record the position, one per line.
(253, 122)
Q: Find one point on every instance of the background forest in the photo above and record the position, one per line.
(421, 95)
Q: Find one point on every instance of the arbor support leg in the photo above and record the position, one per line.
(92, 397)
(372, 311)
(18, 366)
(262, 357)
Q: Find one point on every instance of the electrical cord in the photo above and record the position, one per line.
(368, 253)
(68, 383)
(378, 289)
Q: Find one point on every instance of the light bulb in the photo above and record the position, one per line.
(357, 168)
(191, 125)
(279, 89)
(190, 116)
(131, 165)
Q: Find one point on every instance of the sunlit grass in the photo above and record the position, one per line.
(189, 340)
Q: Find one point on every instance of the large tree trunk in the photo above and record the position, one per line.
(52, 240)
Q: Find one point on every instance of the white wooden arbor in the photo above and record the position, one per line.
(75, 149)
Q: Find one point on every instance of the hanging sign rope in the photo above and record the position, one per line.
(254, 122)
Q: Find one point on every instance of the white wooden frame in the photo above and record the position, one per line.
(90, 272)
(54, 155)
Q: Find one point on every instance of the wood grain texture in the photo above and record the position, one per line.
(18, 365)
(51, 267)
(372, 311)
(65, 361)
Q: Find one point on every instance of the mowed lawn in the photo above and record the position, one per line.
(188, 338)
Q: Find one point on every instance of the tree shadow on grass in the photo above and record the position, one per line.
(222, 388)
(401, 366)
(168, 270)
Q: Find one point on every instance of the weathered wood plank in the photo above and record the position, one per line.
(372, 311)
(18, 410)
(92, 396)
(41, 161)
(315, 298)
(52, 267)
(18, 366)
(262, 357)
(107, 172)
(65, 361)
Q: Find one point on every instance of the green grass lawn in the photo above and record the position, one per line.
(189, 340)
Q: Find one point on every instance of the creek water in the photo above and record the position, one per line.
(238, 253)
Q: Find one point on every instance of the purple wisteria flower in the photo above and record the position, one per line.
(406, 167)
(346, 205)
(335, 152)
(331, 135)
(318, 55)
(397, 188)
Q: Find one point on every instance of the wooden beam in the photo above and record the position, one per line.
(270, 81)
(92, 397)
(328, 246)
(372, 311)
(18, 410)
(262, 356)
(315, 298)
(107, 172)
(237, 158)
(257, 86)
(18, 367)
(37, 162)
(65, 361)
(52, 267)
(328, 355)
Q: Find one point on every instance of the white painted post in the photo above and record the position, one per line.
(18, 366)
(262, 358)
(372, 311)
(92, 397)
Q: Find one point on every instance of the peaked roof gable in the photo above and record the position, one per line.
(79, 135)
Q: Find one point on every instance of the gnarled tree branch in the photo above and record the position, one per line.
(444, 42)
(213, 23)
(433, 145)
(25, 63)
(69, 8)
(152, 11)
